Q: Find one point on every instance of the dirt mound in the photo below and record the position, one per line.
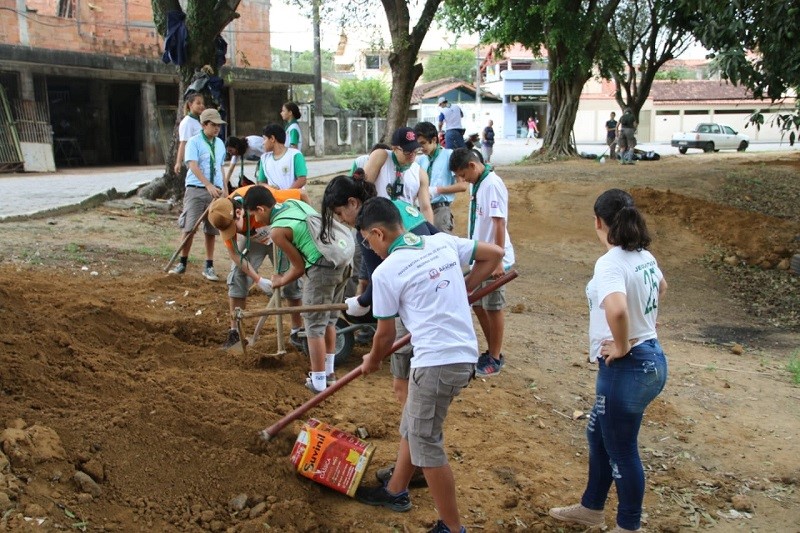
(756, 238)
(124, 414)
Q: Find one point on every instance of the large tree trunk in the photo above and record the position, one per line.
(405, 74)
(402, 60)
(563, 99)
(205, 20)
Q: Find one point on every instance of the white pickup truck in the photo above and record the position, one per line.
(711, 137)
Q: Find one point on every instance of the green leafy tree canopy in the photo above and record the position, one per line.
(451, 63)
(369, 97)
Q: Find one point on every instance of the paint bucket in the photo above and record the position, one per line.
(331, 457)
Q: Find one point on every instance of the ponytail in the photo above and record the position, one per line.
(626, 225)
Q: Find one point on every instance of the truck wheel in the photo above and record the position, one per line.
(742, 146)
(709, 147)
(682, 150)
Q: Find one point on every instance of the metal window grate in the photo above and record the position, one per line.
(66, 9)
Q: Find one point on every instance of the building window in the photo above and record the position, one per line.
(373, 62)
(66, 9)
(537, 86)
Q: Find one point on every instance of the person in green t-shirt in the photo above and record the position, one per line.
(323, 283)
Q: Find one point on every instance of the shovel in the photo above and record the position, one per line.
(266, 434)
(186, 239)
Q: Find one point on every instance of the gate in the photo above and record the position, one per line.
(10, 151)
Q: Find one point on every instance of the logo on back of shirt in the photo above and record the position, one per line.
(411, 239)
(433, 273)
(442, 284)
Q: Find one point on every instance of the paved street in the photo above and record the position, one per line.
(25, 194)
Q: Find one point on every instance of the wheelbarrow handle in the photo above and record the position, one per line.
(320, 397)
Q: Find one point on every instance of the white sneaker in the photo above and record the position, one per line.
(209, 274)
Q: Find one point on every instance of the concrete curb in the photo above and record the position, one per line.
(90, 203)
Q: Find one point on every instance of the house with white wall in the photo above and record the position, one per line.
(675, 106)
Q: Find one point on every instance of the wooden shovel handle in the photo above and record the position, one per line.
(318, 398)
(186, 239)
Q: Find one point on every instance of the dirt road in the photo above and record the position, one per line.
(111, 368)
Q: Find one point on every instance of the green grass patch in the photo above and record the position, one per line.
(793, 366)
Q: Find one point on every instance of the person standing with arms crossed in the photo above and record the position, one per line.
(290, 114)
(205, 153)
(624, 295)
(450, 122)
(189, 126)
(488, 222)
(435, 160)
(444, 356)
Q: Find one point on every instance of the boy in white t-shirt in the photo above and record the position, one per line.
(488, 222)
(420, 280)
(280, 167)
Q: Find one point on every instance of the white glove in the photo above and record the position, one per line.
(265, 285)
(354, 308)
(433, 191)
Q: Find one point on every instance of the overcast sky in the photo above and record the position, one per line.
(289, 27)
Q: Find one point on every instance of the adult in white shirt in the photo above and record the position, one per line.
(396, 174)
(450, 122)
(624, 295)
(189, 126)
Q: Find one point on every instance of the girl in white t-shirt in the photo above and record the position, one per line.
(624, 295)
(189, 126)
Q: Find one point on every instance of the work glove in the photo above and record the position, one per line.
(354, 308)
(265, 285)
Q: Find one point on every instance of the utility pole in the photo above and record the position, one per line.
(479, 118)
(319, 120)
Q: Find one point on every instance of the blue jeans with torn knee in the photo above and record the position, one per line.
(624, 389)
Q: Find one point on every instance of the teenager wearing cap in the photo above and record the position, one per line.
(397, 175)
(205, 153)
(450, 121)
(248, 249)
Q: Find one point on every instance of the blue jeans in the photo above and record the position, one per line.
(454, 138)
(623, 390)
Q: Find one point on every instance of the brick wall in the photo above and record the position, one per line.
(126, 28)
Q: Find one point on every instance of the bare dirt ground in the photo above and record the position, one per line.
(111, 368)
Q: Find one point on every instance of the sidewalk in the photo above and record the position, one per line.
(28, 194)
(42, 194)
